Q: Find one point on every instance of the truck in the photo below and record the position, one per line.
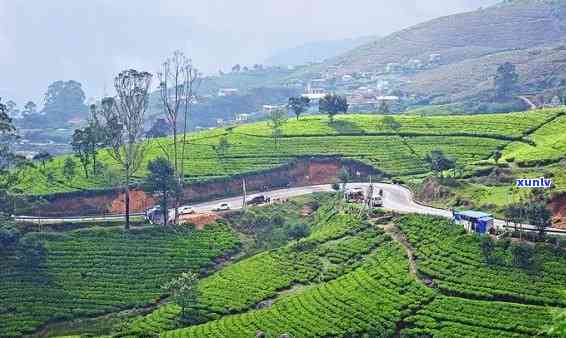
(258, 199)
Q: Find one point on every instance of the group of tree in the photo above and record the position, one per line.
(86, 142)
(439, 162)
(8, 161)
(534, 212)
(506, 79)
(178, 82)
(118, 126)
(332, 104)
(522, 254)
(298, 105)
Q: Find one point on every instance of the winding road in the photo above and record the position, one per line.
(395, 197)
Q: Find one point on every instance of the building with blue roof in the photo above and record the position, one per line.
(474, 221)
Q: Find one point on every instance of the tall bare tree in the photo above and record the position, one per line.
(124, 118)
(178, 79)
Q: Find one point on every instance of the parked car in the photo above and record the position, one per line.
(222, 207)
(377, 201)
(258, 199)
(185, 210)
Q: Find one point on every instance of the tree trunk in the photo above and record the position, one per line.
(165, 210)
(177, 171)
(127, 199)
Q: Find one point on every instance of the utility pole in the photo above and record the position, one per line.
(244, 196)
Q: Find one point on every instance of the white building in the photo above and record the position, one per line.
(227, 92)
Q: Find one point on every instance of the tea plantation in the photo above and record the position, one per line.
(353, 279)
(469, 139)
(95, 271)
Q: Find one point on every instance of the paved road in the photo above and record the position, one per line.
(395, 197)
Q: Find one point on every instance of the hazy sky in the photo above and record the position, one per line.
(90, 41)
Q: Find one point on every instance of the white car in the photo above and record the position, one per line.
(222, 207)
(185, 210)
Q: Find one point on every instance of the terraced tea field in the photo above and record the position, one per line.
(91, 272)
(468, 139)
(453, 259)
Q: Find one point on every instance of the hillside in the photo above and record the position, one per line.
(468, 139)
(316, 51)
(355, 278)
(469, 46)
(514, 25)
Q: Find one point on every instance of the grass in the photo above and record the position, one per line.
(469, 139)
(90, 272)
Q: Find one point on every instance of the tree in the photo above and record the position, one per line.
(332, 104)
(299, 105)
(177, 79)
(8, 178)
(236, 68)
(183, 290)
(123, 129)
(221, 149)
(514, 213)
(79, 143)
(344, 177)
(383, 107)
(159, 128)
(278, 117)
(487, 248)
(522, 254)
(439, 162)
(391, 123)
(538, 215)
(506, 79)
(162, 180)
(299, 231)
(64, 100)
(69, 169)
(497, 154)
(30, 108)
(43, 157)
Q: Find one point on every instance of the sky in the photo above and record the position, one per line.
(42, 41)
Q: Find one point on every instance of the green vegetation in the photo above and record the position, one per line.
(457, 317)
(454, 260)
(94, 271)
(468, 139)
(339, 243)
(550, 145)
(371, 298)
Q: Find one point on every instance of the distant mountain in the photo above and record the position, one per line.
(469, 46)
(316, 51)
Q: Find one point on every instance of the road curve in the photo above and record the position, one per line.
(395, 197)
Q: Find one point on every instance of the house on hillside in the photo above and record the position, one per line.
(227, 92)
(474, 221)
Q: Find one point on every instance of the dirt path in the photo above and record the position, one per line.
(400, 238)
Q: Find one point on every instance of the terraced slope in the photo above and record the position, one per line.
(336, 247)
(458, 317)
(370, 298)
(454, 260)
(361, 137)
(550, 145)
(91, 272)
